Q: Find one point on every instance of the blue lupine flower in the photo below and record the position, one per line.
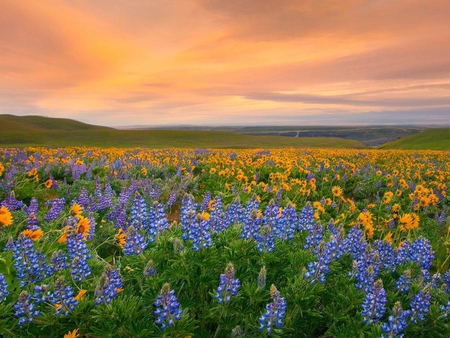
(402, 253)
(205, 203)
(446, 310)
(441, 218)
(188, 211)
(167, 307)
(30, 264)
(79, 254)
(25, 309)
(160, 220)
(374, 306)
(287, 224)
(326, 253)
(217, 218)
(355, 242)
(420, 305)
(314, 238)
(83, 199)
(386, 254)
(436, 280)
(306, 218)
(446, 281)
(199, 234)
(265, 239)
(32, 212)
(228, 285)
(139, 217)
(11, 202)
(92, 224)
(234, 214)
(62, 298)
(58, 261)
(57, 207)
(404, 282)
(397, 322)
(3, 288)
(275, 311)
(172, 199)
(149, 269)
(252, 225)
(135, 242)
(110, 285)
(421, 252)
(40, 293)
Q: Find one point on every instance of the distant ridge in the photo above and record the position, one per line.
(431, 139)
(54, 132)
(34, 123)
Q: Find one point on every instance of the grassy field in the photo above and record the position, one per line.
(41, 131)
(434, 139)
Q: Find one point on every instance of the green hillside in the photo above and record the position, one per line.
(39, 123)
(433, 139)
(40, 131)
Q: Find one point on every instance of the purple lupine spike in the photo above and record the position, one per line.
(25, 309)
(135, 242)
(374, 305)
(110, 285)
(228, 286)
(167, 307)
(62, 298)
(404, 282)
(420, 305)
(275, 311)
(3, 288)
(56, 208)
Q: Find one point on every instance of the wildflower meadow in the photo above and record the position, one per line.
(224, 243)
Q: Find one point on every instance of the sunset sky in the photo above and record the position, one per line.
(227, 62)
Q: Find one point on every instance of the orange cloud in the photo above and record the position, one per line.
(208, 61)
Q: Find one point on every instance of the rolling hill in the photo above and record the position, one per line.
(52, 132)
(432, 139)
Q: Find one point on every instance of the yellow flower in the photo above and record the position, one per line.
(32, 172)
(34, 235)
(5, 217)
(205, 215)
(121, 237)
(80, 295)
(48, 184)
(409, 221)
(396, 207)
(72, 334)
(388, 237)
(77, 209)
(212, 171)
(336, 191)
(84, 227)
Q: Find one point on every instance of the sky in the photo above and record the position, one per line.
(227, 62)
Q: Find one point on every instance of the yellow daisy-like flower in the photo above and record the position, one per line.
(336, 191)
(48, 184)
(205, 215)
(84, 227)
(34, 235)
(77, 209)
(80, 294)
(71, 334)
(5, 217)
(121, 237)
